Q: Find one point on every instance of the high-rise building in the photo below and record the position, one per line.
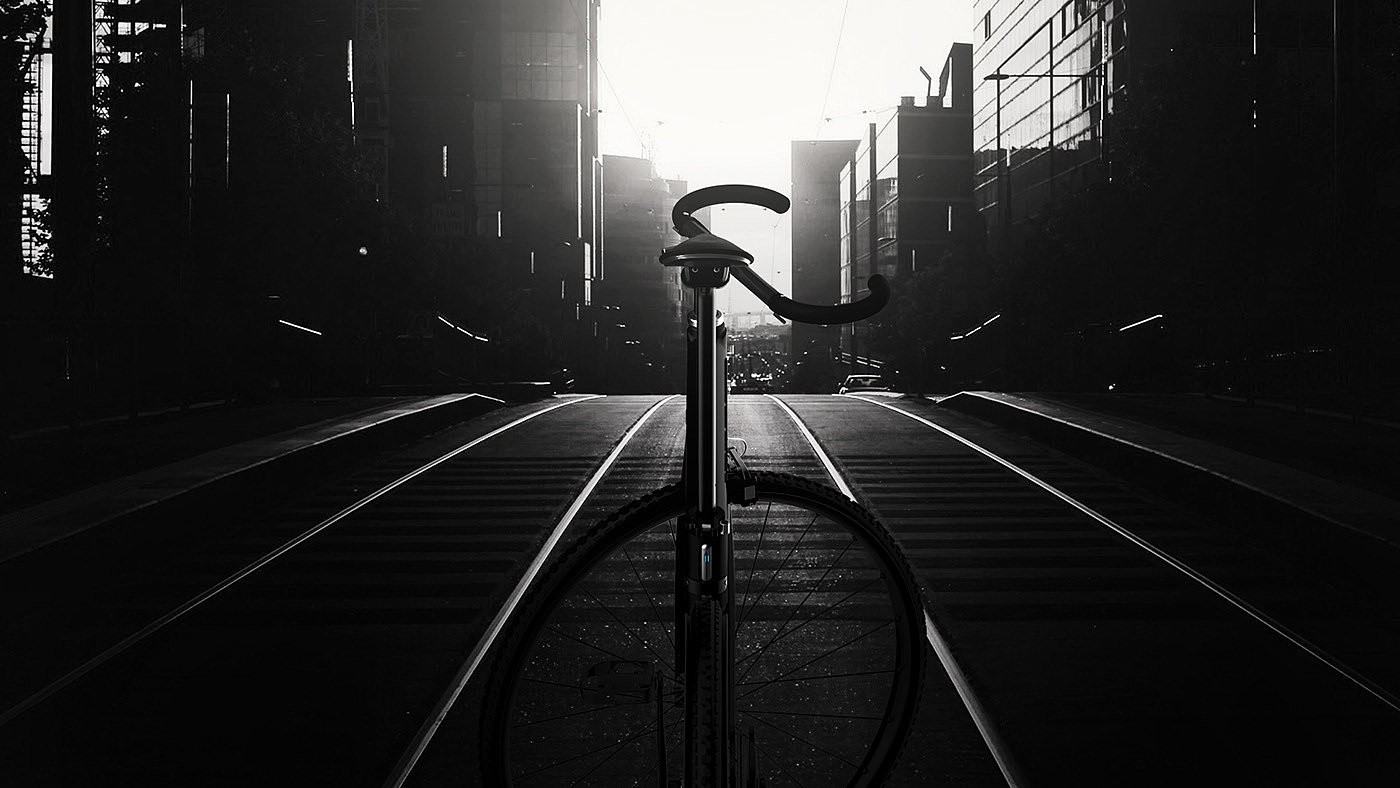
(637, 310)
(906, 196)
(1028, 145)
(816, 246)
(1050, 74)
(1220, 120)
(535, 111)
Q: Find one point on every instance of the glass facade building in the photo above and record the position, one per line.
(1040, 126)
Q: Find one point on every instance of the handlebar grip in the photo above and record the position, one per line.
(783, 306)
(725, 193)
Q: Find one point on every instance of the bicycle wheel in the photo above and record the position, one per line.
(828, 650)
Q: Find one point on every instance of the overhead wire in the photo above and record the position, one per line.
(608, 80)
(831, 74)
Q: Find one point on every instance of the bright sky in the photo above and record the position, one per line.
(717, 90)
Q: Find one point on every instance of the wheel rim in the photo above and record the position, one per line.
(822, 641)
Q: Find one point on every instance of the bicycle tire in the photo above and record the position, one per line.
(707, 711)
(542, 716)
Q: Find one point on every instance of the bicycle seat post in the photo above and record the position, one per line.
(707, 432)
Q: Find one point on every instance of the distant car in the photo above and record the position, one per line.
(863, 383)
(749, 384)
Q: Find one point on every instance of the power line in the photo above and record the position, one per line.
(841, 32)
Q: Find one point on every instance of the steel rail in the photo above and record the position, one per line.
(1307, 647)
(430, 726)
(986, 727)
(194, 602)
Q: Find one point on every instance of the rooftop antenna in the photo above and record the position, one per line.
(929, 93)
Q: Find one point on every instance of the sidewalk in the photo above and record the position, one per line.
(1363, 454)
(42, 464)
(210, 455)
(1328, 470)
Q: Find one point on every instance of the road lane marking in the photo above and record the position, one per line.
(493, 630)
(821, 455)
(1316, 652)
(980, 717)
(191, 604)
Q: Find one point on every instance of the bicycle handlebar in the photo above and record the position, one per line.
(817, 314)
(728, 192)
(782, 306)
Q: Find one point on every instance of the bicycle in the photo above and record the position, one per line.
(799, 649)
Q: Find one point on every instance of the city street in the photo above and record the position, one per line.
(312, 641)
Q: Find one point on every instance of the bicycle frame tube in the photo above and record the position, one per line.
(707, 562)
(703, 547)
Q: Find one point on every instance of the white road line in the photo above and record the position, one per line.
(821, 455)
(1371, 688)
(173, 615)
(983, 720)
(493, 630)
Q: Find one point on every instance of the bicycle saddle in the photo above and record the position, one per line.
(705, 249)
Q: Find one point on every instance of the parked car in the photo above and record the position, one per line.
(855, 383)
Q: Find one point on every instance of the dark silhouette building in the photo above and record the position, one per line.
(1226, 121)
(535, 110)
(449, 136)
(907, 193)
(636, 318)
(816, 252)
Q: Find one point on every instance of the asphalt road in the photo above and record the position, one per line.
(1095, 662)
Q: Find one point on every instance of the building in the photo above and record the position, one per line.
(636, 318)
(1223, 111)
(816, 251)
(535, 114)
(1027, 145)
(906, 196)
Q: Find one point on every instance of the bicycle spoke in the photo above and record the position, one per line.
(857, 674)
(669, 753)
(660, 622)
(813, 714)
(774, 576)
(558, 717)
(821, 656)
(669, 676)
(610, 745)
(626, 628)
(775, 762)
(779, 634)
(795, 737)
(614, 753)
(762, 531)
(532, 680)
(813, 617)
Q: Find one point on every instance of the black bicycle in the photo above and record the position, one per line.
(736, 629)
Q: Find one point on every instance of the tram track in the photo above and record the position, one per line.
(365, 623)
(1025, 550)
(385, 585)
